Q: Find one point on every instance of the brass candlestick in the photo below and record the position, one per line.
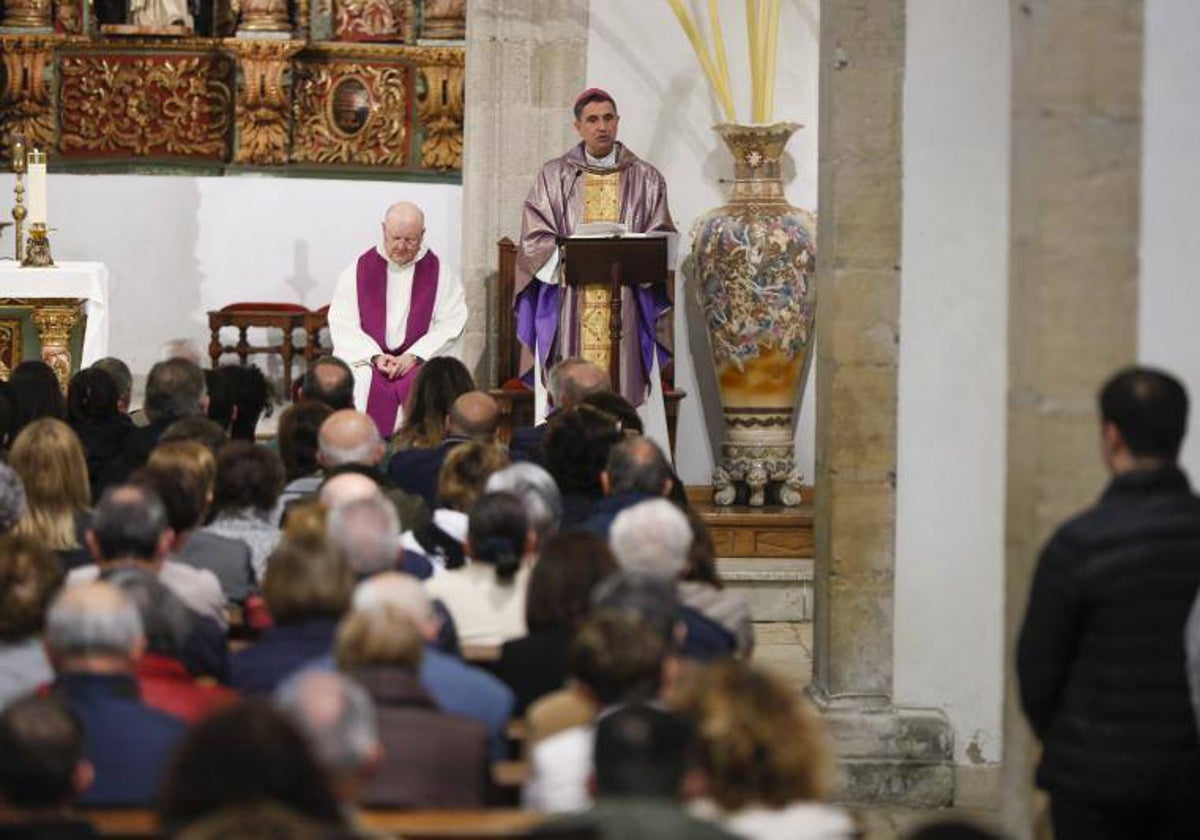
(18, 211)
(37, 248)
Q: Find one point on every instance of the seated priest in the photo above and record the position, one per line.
(391, 310)
(599, 182)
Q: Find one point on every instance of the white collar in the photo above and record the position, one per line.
(609, 161)
(395, 266)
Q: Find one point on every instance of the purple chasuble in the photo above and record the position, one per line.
(388, 395)
(553, 208)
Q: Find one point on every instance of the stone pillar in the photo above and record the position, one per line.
(858, 287)
(887, 754)
(1073, 274)
(527, 64)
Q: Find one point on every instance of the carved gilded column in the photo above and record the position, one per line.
(445, 20)
(440, 107)
(263, 111)
(55, 319)
(27, 106)
(265, 16)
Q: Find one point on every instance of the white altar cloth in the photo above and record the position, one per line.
(87, 281)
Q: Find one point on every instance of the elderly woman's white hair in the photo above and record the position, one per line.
(338, 717)
(538, 494)
(653, 538)
(403, 592)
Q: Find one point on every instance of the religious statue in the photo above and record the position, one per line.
(160, 13)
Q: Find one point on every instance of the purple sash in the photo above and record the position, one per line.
(388, 395)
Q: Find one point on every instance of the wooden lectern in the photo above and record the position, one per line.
(598, 269)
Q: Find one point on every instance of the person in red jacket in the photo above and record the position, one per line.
(164, 682)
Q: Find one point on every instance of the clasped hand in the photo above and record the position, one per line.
(393, 367)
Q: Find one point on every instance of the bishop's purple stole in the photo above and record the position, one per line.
(388, 395)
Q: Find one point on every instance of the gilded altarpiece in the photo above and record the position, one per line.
(305, 85)
(119, 105)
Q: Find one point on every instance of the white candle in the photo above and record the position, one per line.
(37, 188)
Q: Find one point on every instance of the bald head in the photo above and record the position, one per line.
(475, 415)
(573, 379)
(329, 380)
(403, 232)
(637, 465)
(349, 437)
(344, 488)
(402, 212)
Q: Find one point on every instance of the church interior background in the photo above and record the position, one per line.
(1006, 195)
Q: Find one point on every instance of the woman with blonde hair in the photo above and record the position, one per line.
(764, 764)
(461, 481)
(50, 460)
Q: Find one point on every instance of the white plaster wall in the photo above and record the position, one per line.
(638, 52)
(178, 246)
(949, 619)
(1169, 304)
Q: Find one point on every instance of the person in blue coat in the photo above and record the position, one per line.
(94, 638)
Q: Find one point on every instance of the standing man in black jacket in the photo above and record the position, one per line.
(1100, 658)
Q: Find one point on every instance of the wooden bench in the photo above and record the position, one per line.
(412, 825)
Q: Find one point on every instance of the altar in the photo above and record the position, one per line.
(68, 307)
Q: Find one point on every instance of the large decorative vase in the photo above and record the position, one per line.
(754, 262)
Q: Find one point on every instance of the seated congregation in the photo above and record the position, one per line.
(293, 637)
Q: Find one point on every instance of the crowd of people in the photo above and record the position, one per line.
(235, 632)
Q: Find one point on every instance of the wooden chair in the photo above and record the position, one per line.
(286, 317)
(514, 396)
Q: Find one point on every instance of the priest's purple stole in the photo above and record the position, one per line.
(388, 395)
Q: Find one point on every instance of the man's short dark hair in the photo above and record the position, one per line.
(248, 753)
(649, 598)
(1149, 407)
(198, 429)
(588, 97)
(618, 657)
(41, 744)
(182, 492)
(119, 371)
(128, 522)
(174, 389)
(637, 465)
(166, 620)
(642, 751)
(297, 434)
(240, 387)
(248, 476)
(338, 397)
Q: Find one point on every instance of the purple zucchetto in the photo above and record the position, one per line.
(12, 498)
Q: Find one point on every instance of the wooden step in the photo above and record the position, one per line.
(741, 531)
